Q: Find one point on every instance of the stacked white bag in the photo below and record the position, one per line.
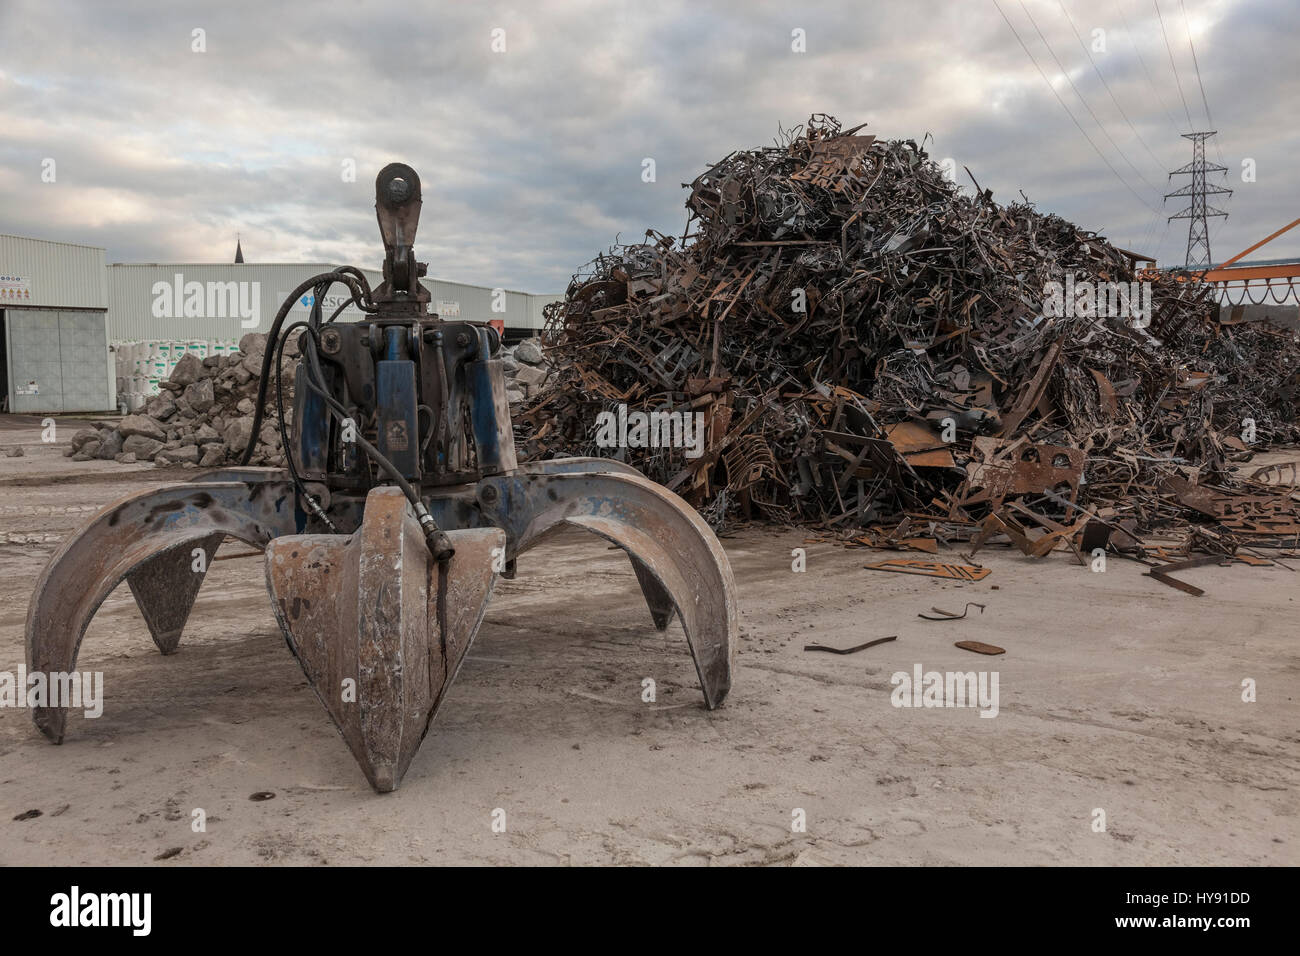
(141, 365)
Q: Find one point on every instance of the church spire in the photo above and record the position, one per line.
(239, 251)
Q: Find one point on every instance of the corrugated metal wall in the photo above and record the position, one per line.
(225, 301)
(475, 303)
(535, 305)
(185, 301)
(59, 275)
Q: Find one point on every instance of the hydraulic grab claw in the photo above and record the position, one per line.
(383, 540)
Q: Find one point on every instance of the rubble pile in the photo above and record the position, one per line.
(203, 415)
(878, 354)
(526, 368)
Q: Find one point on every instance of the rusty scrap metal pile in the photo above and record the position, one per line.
(874, 355)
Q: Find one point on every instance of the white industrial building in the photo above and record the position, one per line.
(181, 301)
(54, 310)
(83, 336)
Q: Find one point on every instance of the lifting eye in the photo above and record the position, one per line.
(399, 190)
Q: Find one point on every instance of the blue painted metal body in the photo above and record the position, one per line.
(488, 408)
(398, 400)
(313, 423)
(429, 395)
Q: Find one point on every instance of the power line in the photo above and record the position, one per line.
(1067, 110)
(1160, 17)
(1083, 46)
(1197, 65)
(1210, 119)
(1160, 243)
(1066, 74)
(1152, 223)
(1216, 227)
(1142, 60)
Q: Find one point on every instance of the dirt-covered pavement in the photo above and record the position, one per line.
(1115, 694)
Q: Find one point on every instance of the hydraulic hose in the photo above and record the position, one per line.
(361, 293)
(312, 505)
(436, 539)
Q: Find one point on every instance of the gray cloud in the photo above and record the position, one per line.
(531, 159)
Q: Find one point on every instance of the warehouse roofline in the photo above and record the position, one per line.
(52, 242)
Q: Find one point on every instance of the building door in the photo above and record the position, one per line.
(57, 361)
(83, 361)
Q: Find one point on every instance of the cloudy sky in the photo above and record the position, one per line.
(531, 157)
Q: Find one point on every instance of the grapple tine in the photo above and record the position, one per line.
(464, 586)
(166, 585)
(670, 545)
(151, 534)
(656, 596)
(379, 627)
(658, 600)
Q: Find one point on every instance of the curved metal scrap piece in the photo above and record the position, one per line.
(141, 534)
(379, 627)
(660, 531)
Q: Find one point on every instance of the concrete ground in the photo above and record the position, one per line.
(1116, 693)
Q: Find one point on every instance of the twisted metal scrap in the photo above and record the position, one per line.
(833, 286)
